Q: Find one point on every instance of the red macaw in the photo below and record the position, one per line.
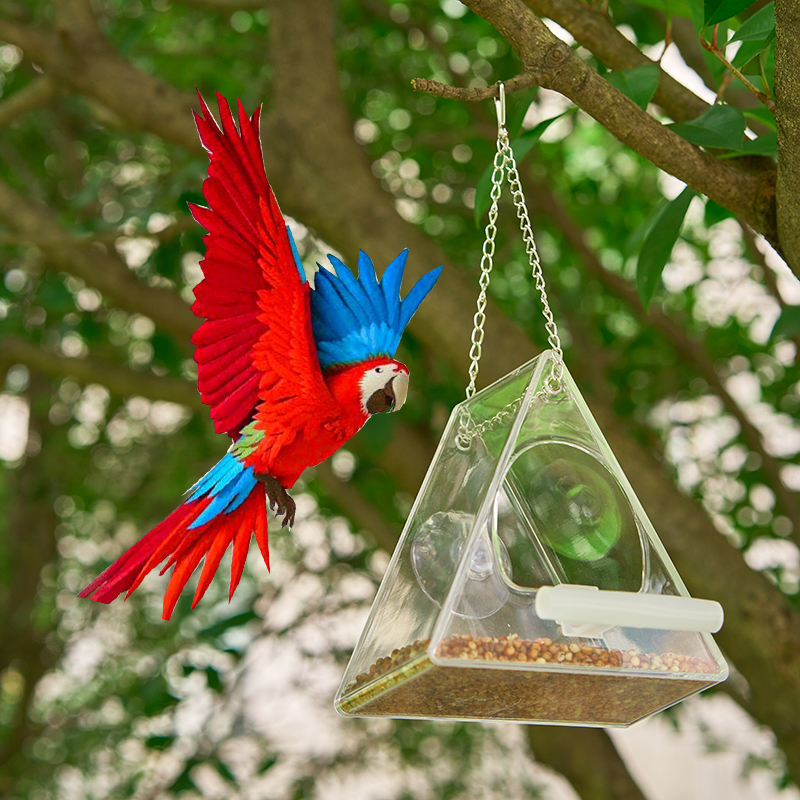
(290, 372)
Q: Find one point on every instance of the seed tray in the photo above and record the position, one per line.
(560, 683)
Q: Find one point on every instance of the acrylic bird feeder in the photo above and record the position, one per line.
(529, 584)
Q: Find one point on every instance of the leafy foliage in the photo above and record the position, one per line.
(125, 705)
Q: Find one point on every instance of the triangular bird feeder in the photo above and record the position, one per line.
(529, 584)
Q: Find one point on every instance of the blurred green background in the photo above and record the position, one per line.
(102, 430)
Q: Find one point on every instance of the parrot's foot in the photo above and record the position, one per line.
(279, 499)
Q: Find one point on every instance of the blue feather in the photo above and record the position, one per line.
(368, 279)
(351, 291)
(391, 286)
(228, 483)
(354, 319)
(297, 262)
(330, 309)
(417, 294)
(336, 309)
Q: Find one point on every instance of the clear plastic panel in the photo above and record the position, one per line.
(534, 498)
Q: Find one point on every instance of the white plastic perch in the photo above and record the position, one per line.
(588, 611)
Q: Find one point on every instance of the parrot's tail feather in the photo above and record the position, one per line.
(227, 506)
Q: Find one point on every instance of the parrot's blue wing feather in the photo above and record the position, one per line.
(333, 312)
(368, 279)
(418, 293)
(349, 288)
(297, 262)
(390, 285)
(354, 319)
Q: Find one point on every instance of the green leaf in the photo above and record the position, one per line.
(766, 145)
(514, 127)
(521, 148)
(720, 126)
(749, 50)
(218, 628)
(637, 83)
(762, 115)
(768, 61)
(720, 10)
(190, 196)
(715, 213)
(155, 695)
(213, 679)
(635, 240)
(658, 246)
(159, 742)
(788, 323)
(224, 772)
(697, 13)
(184, 782)
(678, 8)
(167, 259)
(759, 26)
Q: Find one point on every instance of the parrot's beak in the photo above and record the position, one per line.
(399, 388)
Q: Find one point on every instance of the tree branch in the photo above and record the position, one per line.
(787, 115)
(29, 545)
(327, 183)
(37, 93)
(745, 187)
(689, 349)
(594, 30)
(99, 267)
(90, 66)
(516, 84)
(118, 380)
(588, 756)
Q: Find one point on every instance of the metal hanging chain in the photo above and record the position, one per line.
(504, 163)
(486, 263)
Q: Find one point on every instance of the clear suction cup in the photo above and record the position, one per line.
(438, 548)
(580, 514)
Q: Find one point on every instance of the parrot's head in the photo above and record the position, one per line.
(384, 386)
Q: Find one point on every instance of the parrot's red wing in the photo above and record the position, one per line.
(257, 332)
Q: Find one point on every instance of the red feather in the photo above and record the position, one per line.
(257, 361)
(246, 245)
(185, 547)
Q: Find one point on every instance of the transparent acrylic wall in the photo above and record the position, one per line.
(532, 498)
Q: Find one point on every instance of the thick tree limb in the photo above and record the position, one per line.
(90, 66)
(595, 31)
(37, 93)
(116, 379)
(99, 267)
(30, 545)
(693, 351)
(589, 757)
(787, 115)
(747, 188)
(327, 182)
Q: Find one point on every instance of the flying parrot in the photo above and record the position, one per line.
(290, 372)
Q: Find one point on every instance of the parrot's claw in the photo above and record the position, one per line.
(279, 500)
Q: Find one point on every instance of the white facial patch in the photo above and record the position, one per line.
(384, 388)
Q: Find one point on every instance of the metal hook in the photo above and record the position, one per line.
(500, 106)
